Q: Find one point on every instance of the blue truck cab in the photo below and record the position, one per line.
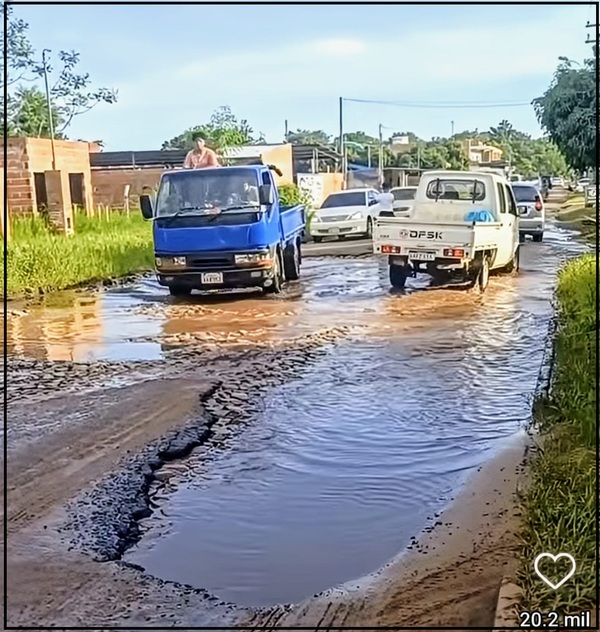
(223, 227)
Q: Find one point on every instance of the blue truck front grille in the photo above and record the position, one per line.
(211, 261)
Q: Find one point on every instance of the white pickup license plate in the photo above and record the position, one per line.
(333, 231)
(213, 278)
(416, 255)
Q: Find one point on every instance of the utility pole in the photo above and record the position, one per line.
(49, 104)
(452, 127)
(287, 131)
(589, 40)
(380, 165)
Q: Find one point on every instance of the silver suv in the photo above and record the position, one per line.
(532, 213)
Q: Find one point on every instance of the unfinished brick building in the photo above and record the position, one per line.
(40, 176)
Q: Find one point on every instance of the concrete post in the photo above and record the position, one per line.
(60, 209)
(4, 230)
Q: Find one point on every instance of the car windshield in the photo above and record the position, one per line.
(525, 194)
(451, 189)
(357, 198)
(403, 194)
(198, 190)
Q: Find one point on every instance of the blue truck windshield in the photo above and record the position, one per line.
(198, 190)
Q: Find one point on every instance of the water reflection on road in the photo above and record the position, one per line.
(347, 463)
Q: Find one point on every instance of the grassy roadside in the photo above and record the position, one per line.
(40, 261)
(559, 506)
(574, 213)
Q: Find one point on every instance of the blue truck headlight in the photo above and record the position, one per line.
(170, 262)
(260, 258)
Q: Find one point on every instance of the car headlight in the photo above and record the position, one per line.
(254, 257)
(357, 215)
(315, 218)
(170, 262)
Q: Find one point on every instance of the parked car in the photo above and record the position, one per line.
(532, 213)
(223, 228)
(582, 184)
(463, 225)
(403, 199)
(345, 213)
(558, 182)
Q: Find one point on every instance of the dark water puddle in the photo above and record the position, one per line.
(346, 464)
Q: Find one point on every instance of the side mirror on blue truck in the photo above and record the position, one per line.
(146, 207)
(266, 195)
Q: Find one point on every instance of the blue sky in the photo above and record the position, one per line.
(174, 65)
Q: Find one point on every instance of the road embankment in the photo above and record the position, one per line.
(559, 513)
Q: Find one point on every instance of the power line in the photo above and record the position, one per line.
(444, 105)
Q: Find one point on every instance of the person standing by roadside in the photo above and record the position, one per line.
(201, 156)
(386, 201)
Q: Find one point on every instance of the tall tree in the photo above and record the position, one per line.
(222, 131)
(567, 111)
(71, 92)
(29, 114)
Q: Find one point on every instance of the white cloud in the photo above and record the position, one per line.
(427, 61)
(253, 58)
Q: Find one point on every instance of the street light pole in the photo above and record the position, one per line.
(49, 104)
(341, 142)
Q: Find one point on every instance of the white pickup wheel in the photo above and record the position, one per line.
(483, 277)
(398, 276)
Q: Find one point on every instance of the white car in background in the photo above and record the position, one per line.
(404, 198)
(344, 214)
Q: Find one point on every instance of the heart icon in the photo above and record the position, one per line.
(554, 558)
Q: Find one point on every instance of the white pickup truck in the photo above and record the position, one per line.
(462, 224)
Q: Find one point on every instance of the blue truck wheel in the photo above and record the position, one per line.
(291, 262)
(277, 280)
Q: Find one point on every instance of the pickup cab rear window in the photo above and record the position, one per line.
(451, 189)
(345, 199)
(525, 194)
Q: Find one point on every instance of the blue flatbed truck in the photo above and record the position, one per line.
(223, 227)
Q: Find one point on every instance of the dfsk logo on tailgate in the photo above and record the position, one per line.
(420, 234)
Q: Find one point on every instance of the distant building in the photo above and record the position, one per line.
(482, 154)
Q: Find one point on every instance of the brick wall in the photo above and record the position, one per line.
(19, 193)
(108, 185)
(27, 156)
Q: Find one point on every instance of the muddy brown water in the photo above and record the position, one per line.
(143, 322)
(344, 466)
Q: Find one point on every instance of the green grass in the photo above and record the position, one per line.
(40, 261)
(559, 505)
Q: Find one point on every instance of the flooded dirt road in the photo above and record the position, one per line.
(344, 466)
(318, 468)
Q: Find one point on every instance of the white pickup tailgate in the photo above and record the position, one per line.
(412, 237)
